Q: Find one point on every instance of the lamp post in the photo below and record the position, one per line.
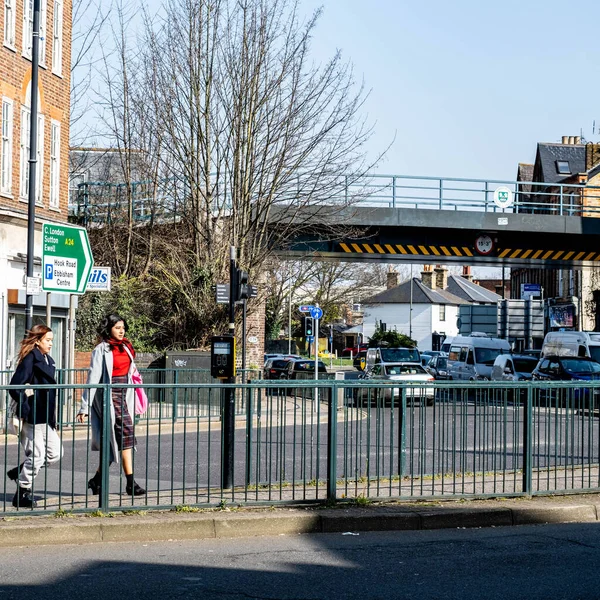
(35, 60)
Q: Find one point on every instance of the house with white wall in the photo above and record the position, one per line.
(424, 309)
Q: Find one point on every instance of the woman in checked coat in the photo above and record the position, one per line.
(112, 362)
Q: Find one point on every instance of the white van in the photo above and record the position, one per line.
(472, 357)
(572, 343)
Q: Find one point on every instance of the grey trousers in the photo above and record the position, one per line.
(41, 446)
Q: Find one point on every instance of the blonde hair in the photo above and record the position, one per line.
(34, 335)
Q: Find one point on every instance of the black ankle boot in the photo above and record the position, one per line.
(134, 489)
(14, 473)
(24, 498)
(94, 484)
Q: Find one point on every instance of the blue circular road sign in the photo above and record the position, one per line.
(316, 312)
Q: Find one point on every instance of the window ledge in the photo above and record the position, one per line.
(9, 47)
(57, 73)
(7, 195)
(54, 209)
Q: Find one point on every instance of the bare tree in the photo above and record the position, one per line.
(223, 101)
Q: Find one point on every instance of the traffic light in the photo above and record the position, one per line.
(242, 289)
(308, 326)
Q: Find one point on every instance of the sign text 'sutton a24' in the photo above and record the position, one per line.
(66, 259)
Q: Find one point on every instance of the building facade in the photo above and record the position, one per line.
(16, 27)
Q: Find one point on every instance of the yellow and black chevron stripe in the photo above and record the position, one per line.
(464, 251)
(362, 248)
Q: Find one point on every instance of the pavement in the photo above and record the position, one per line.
(344, 519)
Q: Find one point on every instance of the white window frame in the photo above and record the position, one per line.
(57, 38)
(28, 30)
(24, 156)
(9, 23)
(24, 153)
(6, 148)
(54, 201)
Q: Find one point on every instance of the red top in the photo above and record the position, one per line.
(121, 358)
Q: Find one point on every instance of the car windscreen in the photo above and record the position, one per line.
(399, 354)
(524, 365)
(442, 362)
(404, 370)
(486, 356)
(580, 366)
(595, 353)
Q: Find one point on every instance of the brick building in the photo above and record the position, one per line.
(16, 26)
(566, 176)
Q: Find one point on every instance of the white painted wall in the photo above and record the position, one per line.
(425, 320)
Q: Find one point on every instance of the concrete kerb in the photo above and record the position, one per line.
(249, 522)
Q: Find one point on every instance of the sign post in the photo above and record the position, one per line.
(316, 313)
(66, 259)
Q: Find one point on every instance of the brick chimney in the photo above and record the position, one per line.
(467, 273)
(428, 277)
(441, 277)
(392, 279)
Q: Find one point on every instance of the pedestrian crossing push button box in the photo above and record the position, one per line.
(222, 356)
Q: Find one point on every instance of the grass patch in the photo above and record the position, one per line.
(61, 513)
(184, 508)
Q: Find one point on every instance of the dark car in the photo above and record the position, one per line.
(297, 368)
(438, 367)
(567, 368)
(276, 368)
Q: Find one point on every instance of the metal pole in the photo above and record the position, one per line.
(35, 45)
(411, 303)
(289, 311)
(316, 321)
(229, 395)
(244, 340)
(48, 309)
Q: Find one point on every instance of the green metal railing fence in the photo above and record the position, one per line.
(307, 441)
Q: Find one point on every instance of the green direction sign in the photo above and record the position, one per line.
(66, 258)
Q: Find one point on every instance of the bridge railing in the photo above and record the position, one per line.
(448, 193)
(307, 441)
(99, 202)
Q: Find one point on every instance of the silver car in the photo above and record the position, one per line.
(397, 373)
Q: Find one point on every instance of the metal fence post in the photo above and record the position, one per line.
(105, 447)
(332, 444)
(527, 442)
(248, 435)
(441, 193)
(175, 407)
(393, 192)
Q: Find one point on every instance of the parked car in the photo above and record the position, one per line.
(354, 349)
(513, 367)
(567, 368)
(438, 367)
(297, 367)
(427, 355)
(471, 357)
(276, 368)
(397, 373)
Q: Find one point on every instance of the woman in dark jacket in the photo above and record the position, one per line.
(37, 411)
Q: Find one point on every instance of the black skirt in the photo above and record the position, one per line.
(123, 420)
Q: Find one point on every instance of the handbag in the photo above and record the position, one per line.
(14, 423)
(141, 400)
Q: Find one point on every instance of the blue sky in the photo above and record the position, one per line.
(468, 87)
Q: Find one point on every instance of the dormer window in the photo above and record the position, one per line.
(562, 167)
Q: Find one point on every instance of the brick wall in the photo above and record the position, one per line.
(54, 90)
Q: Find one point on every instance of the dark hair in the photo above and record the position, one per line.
(34, 335)
(107, 324)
